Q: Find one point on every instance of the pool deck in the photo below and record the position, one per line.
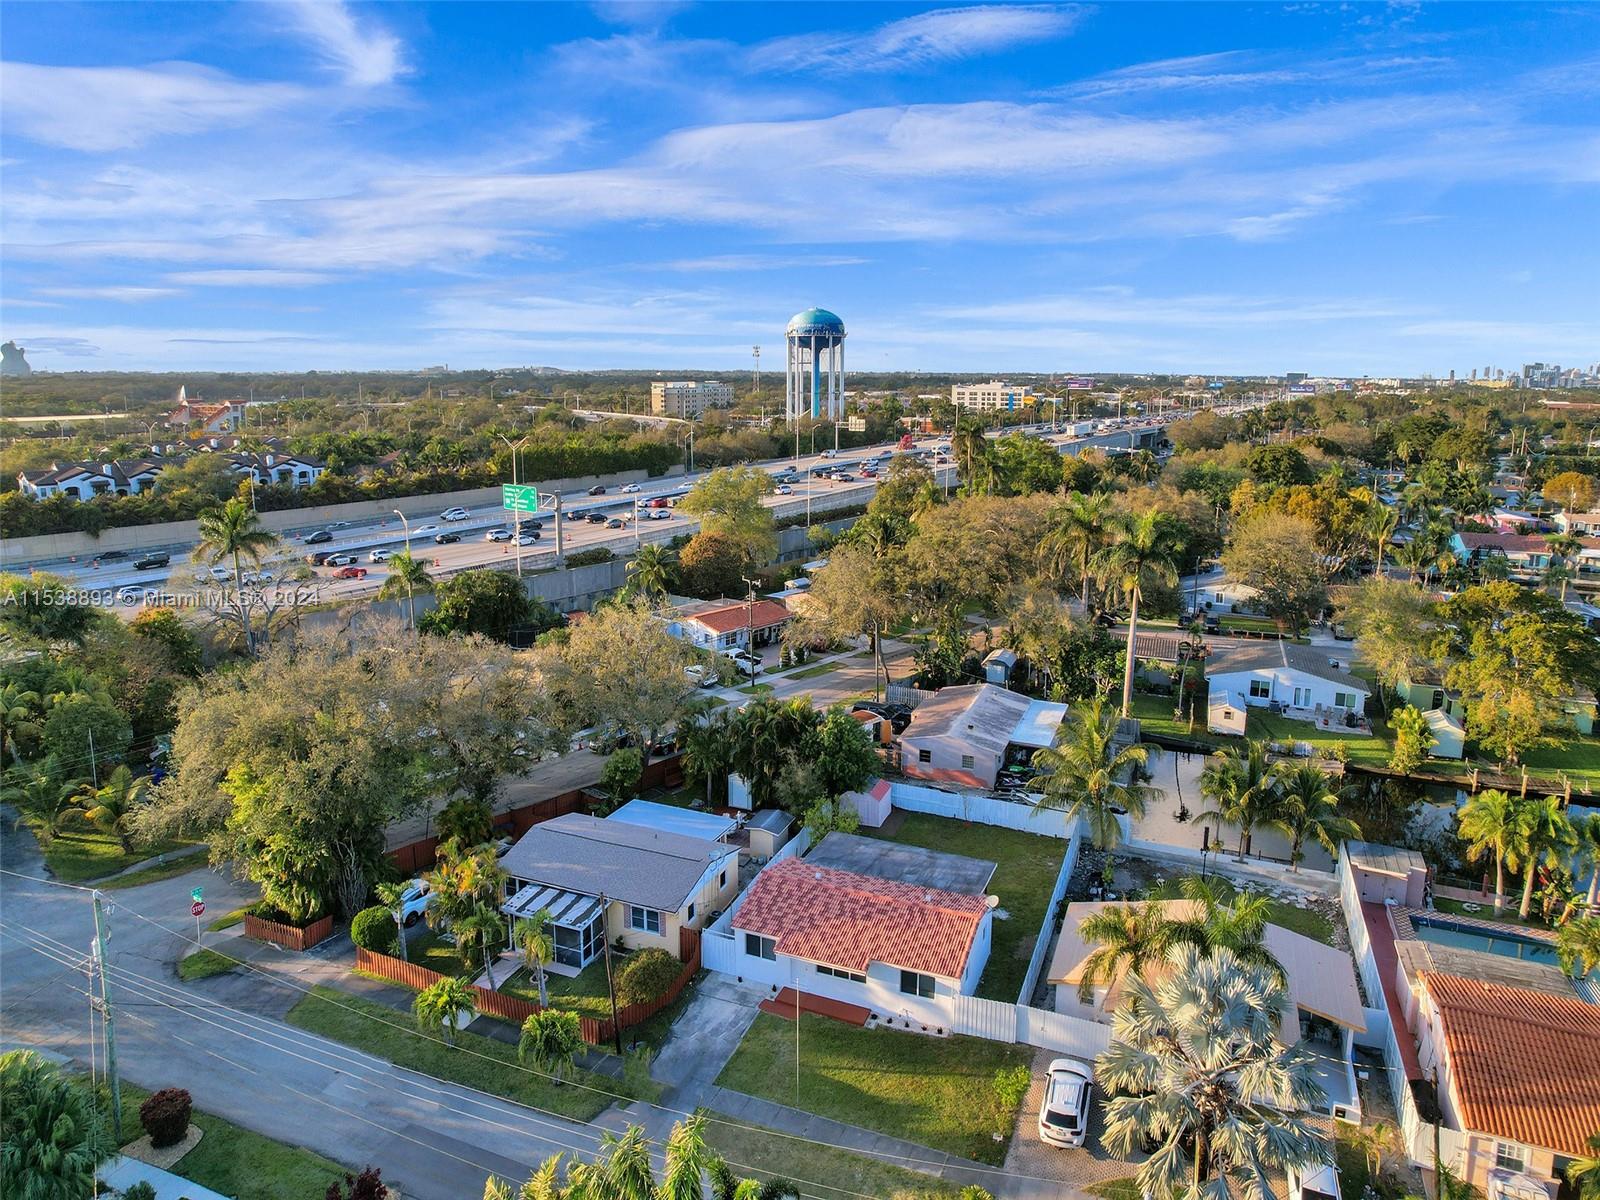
(1405, 931)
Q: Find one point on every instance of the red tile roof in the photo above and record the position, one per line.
(847, 920)
(1525, 1065)
(763, 614)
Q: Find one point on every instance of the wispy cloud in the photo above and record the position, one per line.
(1242, 69)
(250, 277)
(762, 262)
(942, 35)
(124, 294)
(365, 53)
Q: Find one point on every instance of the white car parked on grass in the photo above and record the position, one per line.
(1064, 1111)
(414, 903)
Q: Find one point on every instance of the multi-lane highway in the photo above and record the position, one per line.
(129, 588)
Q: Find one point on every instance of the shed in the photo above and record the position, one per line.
(769, 830)
(998, 665)
(1225, 713)
(669, 818)
(872, 803)
(1449, 734)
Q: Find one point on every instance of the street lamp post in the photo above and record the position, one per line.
(406, 525)
(516, 524)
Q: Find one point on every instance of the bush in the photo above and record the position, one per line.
(165, 1116)
(374, 929)
(366, 1186)
(469, 821)
(588, 558)
(646, 976)
(139, 1191)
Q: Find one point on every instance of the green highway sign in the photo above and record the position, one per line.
(519, 497)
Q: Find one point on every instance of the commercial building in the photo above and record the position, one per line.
(994, 396)
(688, 399)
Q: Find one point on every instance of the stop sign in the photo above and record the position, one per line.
(197, 908)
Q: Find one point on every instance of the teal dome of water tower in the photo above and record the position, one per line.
(816, 322)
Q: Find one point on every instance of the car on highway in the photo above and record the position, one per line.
(842, 477)
(1064, 1110)
(255, 577)
(109, 555)
(342, 559)
(134, 595)
(658, 514)
(445, 539)
(869, 472)
(454, 514)
(317, 537)
(319, 558)
(657, 502)
(783, 489)
(151, 562)
(218, 573)
(527, 539)
(614, 523)
(420, 530)
(595, 518)
(629, 488)
(598, 489)
(381, 555)
(829, 453)
(497, 535)
(350, 573)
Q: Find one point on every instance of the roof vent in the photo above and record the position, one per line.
(817, 874)
(927, 897)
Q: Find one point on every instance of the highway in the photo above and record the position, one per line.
(106, 579)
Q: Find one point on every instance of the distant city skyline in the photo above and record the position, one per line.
(1380, 190)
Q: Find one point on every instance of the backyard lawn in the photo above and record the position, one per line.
(1297, 920)
(744, 1145)
(1156, 720)
(937, 1092)
(586, 995)
(238, 1163)
(1026, 865)
(433, 950)
(491, 1066)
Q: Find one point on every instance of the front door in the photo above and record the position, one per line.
(1302, 697)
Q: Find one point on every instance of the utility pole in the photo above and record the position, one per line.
(101, 934)
(755, 353)
(611, 987)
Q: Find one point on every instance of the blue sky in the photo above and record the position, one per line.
(1359, 189)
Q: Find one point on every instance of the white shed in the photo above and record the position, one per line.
(871, 803)
(1449, 734)
(1224, 713)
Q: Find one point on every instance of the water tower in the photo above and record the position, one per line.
(814, 371)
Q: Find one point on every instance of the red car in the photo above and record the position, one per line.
(350, 573)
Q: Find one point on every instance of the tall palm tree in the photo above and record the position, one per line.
(18, 707)
(1146, 550)
(650, 572)
(1578, 946)
(1244, 790)
(1196, 1065)
(1127, 938)
(1489, 823)
(1309, 810)
(480, 930)
(392, 897)
(407, 576)
(1587, 856)
(38, 792)
(1382, 521)
(1086, 775)
(1584, 1173)
(708, 749)
(1080, 528)
(532, 935)
(553, 1038)
(1544, 838)
(51, 1136)
(235, 531)
(688, 1158)
(1238, 926)
(444, 1003)
(968, 443)
(112, 807)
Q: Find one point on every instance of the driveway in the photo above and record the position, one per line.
(1031, 1158)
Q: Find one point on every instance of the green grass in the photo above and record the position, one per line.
(229, 920)
(177, 866)
(1248, 624)
(1155, 718)
(237, 1162)
(813, 672)
(203, 964)
(1576, 757)
(937, 1092)
(586, 995)
(1026, 865)
(76, 854)
(756, 689)
(490, 1066)
(1508, 914)
(1297, 920)
(1361, 749)
(438, 953)
(1120, 1189)
(844, 1171)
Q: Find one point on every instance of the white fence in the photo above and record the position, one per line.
(1047, 929)
(979, 809)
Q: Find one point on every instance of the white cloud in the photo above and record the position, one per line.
(249, 277)
(941, 35)
(366, 54)
(126, 294)
(120, 108)
(798, 260)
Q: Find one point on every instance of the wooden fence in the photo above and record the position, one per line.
(289, 937)
(509, 1008)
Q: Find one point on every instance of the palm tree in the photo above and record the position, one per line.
(553, 1038)
(17, 709)
(650, 573)
(1544, 838)
(968, 443)
(1238, 926)
(1584, 1173)
(1086, 775)
(708, 749)
(112, 807)
(1081, 528)
(1587, 856)
(1127, 938)
(1578, 946)
(444, 1003)
(235, 531)
(688, 1158)
(392, 897)
(1309, 809)
(1244, 788)
(480, 931)
(407, 576)
(1382, 521)
(1489, 823)
(39, 793)
(1196, 1065)
(532, 935)
(1146, 550)
(51, 1136)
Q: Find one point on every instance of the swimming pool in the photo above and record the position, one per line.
(1447, 933)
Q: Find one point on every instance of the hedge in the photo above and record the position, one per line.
(374, 929)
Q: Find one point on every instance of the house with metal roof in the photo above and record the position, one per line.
(603, 879)
(963, 734)
(1299, 681)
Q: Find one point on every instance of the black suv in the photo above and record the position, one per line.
(151, 562)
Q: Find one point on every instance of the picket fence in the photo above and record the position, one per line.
(1046, 939)
(981, 810)
(290, 937)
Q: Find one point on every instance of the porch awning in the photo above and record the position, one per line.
(571, 910)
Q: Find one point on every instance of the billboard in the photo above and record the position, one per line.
(1216, 384)
(1302, 389)
(1079, 385)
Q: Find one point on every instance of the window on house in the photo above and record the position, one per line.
(691, 912)
(966, 762)
(913, 983)
(839, 973)
(1260, 689)
(722, 880)
(1344, 700)
(1509, 1156)
(924, 756)
(646, 920)
(757, 946)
